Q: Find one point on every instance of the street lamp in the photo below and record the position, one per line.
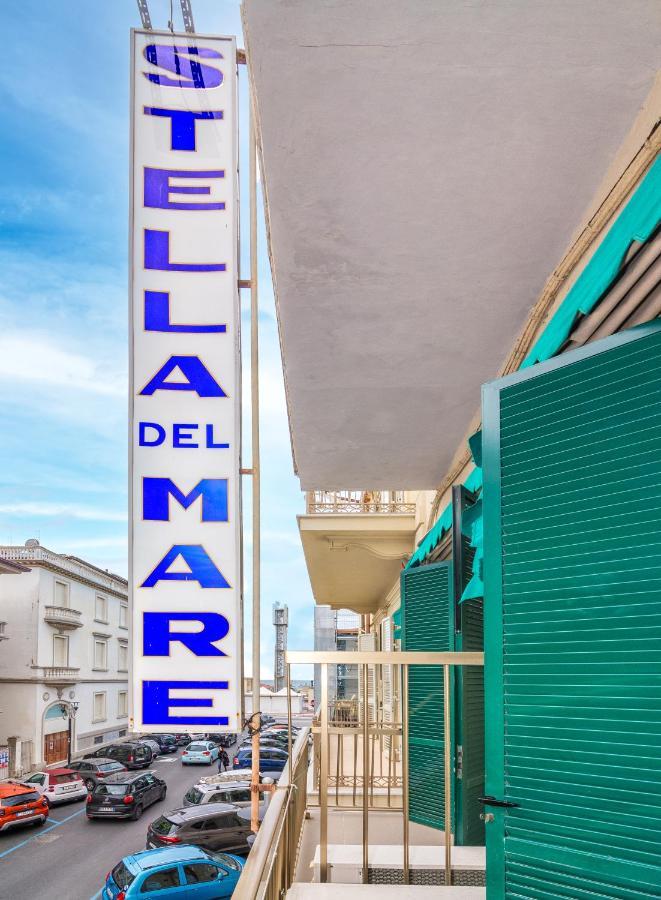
(73, 709)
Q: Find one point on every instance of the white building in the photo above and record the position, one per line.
(67, 627)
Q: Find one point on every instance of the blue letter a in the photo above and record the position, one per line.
(199, 379)
(202, 568)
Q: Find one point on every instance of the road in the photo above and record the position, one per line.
(69, 856)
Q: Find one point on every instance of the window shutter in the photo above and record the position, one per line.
(428, 624)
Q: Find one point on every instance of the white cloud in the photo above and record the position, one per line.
(69, 510)
(35, 358)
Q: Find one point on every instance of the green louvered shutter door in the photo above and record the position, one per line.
(470, 828)
(426, 593)
(572, 501)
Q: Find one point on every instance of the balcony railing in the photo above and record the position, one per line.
(66, 564)
(63, 616)
(61, 674)
(270, 867)
(274, 862)
(357, 503)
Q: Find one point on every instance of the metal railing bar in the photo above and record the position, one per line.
(398, 657)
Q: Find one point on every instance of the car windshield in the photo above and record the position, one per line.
(19, 799)
(197, 748)
(110, 790)
(162, 826)
(225, 860)
(194, 795)
(122, 876)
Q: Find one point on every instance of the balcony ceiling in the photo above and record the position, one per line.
(425, 165)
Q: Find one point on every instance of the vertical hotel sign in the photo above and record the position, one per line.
(185, 384)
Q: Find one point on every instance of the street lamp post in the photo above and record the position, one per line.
(73, 709)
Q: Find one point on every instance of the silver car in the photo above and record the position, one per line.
(235, 792)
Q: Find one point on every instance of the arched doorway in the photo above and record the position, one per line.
(56, 733)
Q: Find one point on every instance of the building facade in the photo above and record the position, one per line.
(64, 670)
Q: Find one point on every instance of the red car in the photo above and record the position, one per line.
(21, 805)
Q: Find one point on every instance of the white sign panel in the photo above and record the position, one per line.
(185, 385)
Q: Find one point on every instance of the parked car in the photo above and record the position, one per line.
(200, 752)
(166, 742)
(263, 742)
(153, 746)
(174, 872)
(271, 759)
(131, 754)
(94, 770)
(125, 796)
(235, 792)
(243, 775)
(57, 785)
(21, 805)
(182, 739)
(216, 826)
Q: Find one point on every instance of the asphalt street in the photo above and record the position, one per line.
(69, 857)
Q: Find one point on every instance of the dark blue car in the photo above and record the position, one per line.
(185, 872)
(271, 759)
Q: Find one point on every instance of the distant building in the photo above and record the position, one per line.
(68, 625)
(336, 630)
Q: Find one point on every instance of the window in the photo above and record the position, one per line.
(100, 653)
(122, 733)
(101, 608)
(122, 704)
(123, 657)
(122, 876)
(123, 615)
(200, 873)
(60, 650)
(61, 593)
(166, 878)
(98, 739)
(100, 707)
(36, 779)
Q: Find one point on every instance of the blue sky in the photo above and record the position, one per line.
(63, 300)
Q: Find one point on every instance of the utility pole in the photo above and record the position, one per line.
(256, 546)
(280, 622)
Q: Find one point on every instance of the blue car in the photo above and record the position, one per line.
(271, 759)
(204, 752)
(174, 872)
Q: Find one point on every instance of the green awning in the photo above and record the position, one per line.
(432, 538)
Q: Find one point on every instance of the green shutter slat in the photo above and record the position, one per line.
(426, 593)
(575, 452)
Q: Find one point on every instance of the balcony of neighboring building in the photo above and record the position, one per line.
(354, 544)
(59, 674)
(63, 617)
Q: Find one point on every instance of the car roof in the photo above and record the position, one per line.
(123, 777)
(12, 790)
(222, 785)
(149, 859)
(186, 813)
(62, 771)
(100, 761)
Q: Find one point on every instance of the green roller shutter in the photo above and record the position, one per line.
(572, 503)
(427, 624)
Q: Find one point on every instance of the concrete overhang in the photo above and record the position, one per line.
(353, 560)
(425, 165)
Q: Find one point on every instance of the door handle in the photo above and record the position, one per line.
(491, 801)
